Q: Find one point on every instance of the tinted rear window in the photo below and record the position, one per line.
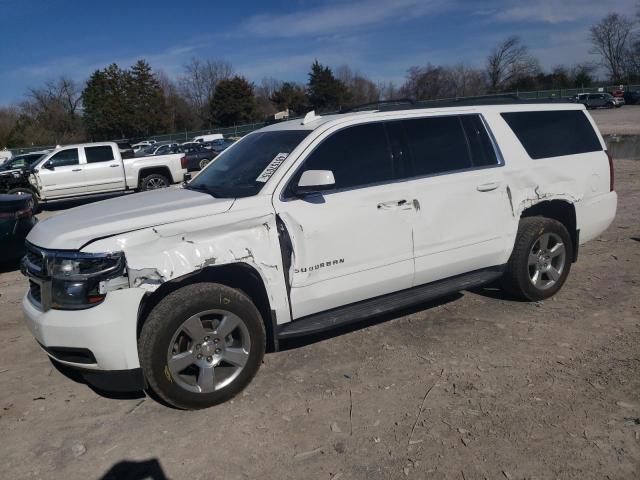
(553, 133)
(437, 145)
(103, 153)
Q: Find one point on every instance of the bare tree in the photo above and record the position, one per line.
(199, 80)
(509, 62)
(610, 39)
(361, 89)
(54, 110)
(464, 81)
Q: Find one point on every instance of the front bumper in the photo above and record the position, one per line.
(103, 337)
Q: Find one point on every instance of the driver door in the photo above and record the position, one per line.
(351, 242)
(62, 175)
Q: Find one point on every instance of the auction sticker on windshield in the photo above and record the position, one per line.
(272, 167)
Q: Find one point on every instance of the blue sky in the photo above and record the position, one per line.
(42, 39)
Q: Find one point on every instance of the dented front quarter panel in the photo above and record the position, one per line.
(245, 234)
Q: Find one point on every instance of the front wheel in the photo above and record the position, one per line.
(201, 345)
(540, 261)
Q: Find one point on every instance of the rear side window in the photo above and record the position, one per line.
(103, 153)
(357, 156)
(482, 152)
(437, 145)
(553, 133)
(64, 158)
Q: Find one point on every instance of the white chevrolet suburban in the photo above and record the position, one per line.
(309, 224)
(93, 168)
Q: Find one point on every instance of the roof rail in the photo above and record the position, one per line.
(498, 99)
(377, 105)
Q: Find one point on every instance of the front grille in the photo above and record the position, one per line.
(35, 259)
(35, 291)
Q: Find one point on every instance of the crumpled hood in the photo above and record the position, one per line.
(74, 228)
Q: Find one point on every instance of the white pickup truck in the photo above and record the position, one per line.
(303, 226)
(92, 168)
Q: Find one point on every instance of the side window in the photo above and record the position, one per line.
(18, 163)
(357, 156)
(553, 133)
(437, 145)
(482, 152)
(64, 158)
(103, 153)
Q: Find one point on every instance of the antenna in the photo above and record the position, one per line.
(310, 117)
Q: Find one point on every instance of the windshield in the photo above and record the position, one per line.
(243, 170)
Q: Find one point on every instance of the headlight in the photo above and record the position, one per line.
(79, 280)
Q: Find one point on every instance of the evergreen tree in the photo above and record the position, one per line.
(104, 101)
(145, 100)
(325, 91)
(291, 96)
(233, 102)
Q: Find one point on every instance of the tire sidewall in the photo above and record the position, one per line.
(154, 361)
(530, 290)
(145, 182)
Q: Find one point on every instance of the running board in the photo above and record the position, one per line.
(355, 312)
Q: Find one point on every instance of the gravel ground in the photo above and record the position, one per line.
(621, 121)
(475, 386)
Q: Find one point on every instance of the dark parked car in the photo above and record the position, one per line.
(596, 100)
(219, 146)
(16, 221)
(197, 156)
(632, 97)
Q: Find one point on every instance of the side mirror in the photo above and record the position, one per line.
(48, 166)
(313, 181)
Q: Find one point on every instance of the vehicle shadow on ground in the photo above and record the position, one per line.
(298, 342)
(76, 376)
(57, 205)
(132, 470)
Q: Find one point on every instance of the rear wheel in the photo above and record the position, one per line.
(204, 162)
(154, 182)
(201, 345)
(540, 261)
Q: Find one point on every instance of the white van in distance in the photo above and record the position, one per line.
(306, 225)
(207, 138)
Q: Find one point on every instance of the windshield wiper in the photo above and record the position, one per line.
(216, 193)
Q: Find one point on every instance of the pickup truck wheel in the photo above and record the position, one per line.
(201, 345)
(204, 162)
(153, 182)
(26, 191)
(540, 261)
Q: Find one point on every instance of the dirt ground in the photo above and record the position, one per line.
(476, 386)
(621, 121)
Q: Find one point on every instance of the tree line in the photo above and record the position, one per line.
(137, 102)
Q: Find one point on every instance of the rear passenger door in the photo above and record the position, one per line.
(353, 241)
(463, 212)
(103, 171)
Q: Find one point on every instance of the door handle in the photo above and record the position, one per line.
(487, 187)
(114, 166)
(76, 170)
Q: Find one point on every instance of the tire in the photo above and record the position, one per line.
(190, 382)
(154, 182)
(203, 163)
(26, 191)
(529, 256)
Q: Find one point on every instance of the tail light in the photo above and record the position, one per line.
(183, 162)
(611, 174)
(20, 214)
